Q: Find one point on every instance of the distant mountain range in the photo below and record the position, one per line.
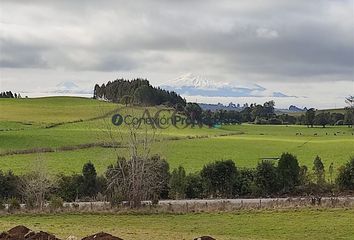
(195, 85)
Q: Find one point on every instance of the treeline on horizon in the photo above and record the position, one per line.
(140, 92)
(265, 114)
(9, 94)
(219, 179)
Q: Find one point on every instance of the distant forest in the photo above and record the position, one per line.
(9, 94)
(136, 91)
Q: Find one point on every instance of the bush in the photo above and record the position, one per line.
(69, 187)
(220, 178)
(246, 182)
(266, 177)
(2, 204)
(14, 204)
(56, 203)
(116, 200)
(194, 186)
(8, 185)
(178, 183)
(288, 172)
(275, 121)
(345, 179)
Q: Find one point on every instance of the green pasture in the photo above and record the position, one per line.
(24, 122)
(51, 109)
(289, 224)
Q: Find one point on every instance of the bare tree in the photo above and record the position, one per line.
(35, 185)
(138, 179)
(350, 101)
(141, 176)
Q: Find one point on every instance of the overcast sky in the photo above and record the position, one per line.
(298, 47)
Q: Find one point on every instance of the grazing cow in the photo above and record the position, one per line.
(335, 134)
(204, 238)
(315, 134)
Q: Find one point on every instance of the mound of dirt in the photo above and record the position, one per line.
(204, 238)
(101, 236)
(4, 236)
(24, 233)
(19, 231)
(42, 236)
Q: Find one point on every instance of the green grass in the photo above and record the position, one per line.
(51, 109)
(290, 224)
(60, 162)
(247, 151)
(22, 124)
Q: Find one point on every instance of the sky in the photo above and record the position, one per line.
(302, 49)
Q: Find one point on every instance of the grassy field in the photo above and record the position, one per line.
(289, 224)
(24, 125)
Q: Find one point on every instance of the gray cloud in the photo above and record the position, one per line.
(260, 40)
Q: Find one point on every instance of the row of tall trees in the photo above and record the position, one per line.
(9, 94)
(221, 179)
(136, 91)
(264, 114)
(322, 118)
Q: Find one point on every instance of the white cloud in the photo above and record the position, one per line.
(267, 33)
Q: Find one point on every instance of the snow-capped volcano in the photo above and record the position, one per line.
(69, 87)
(191, 80)
(196, 85)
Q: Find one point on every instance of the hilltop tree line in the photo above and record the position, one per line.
(265, 114)
(9, 94)
(219, 179)
(137, 91)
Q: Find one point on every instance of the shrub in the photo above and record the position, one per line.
(2, 204)
(246, 182)
(56, 203)
(220, 178)
(14, 204)
(345, 179)
(194, 186)
(178, 183)
(116, 200)
(288, 172)
(266, 177)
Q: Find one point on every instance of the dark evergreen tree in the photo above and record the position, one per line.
(319, 170)
(288, 172)
(266, 177)
(178, 183)
(89, 184)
